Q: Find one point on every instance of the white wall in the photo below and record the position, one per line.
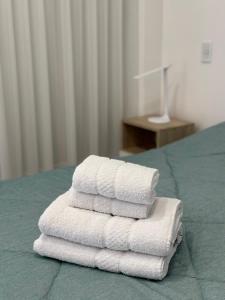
(197, 90)
(142, 43)
(150, 49)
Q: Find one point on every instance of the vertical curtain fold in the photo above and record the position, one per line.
(56, 81)
(103, 75)
(115, 73)
(26, 85)
(5, 168)
(41, 83)
(11, 94)
(77, 9)
(91, 71)
(64, 11)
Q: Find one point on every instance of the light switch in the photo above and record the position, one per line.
(206, 52)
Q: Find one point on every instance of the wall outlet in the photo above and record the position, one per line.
(206, 52)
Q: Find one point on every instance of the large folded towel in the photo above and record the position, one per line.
(115, 179)
(110, 206)
(129, 263)
(155, 235)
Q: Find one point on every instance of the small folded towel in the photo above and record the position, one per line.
(129, 263)
(155, 235)
(115, 179)
(110, 206)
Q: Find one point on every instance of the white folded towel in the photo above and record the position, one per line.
(110, 206)
(155, 235)
(129, 263)
(115, 179)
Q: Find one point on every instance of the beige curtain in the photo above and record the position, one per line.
(66, 75)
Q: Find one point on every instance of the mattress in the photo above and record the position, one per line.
(192, 169)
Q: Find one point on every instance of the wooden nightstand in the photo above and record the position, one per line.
(140, 135)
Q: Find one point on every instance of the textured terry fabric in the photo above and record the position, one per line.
(113, 178)
(129, 263)
(110, 206)
(155, 235)
(192, 169)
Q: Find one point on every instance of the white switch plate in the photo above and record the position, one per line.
(206, 52)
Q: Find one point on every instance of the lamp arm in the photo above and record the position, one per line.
(156, 70)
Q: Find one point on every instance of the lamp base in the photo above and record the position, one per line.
(159, 120)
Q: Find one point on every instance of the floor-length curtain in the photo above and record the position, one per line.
(4, 151)
(62, 82)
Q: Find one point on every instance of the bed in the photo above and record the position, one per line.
(192, 169)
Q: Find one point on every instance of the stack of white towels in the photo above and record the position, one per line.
(111, 219)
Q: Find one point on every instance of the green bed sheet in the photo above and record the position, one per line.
(192, 169)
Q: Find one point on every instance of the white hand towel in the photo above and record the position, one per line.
(115, 179)
(129, 263)
(110, 206)
(155, 235)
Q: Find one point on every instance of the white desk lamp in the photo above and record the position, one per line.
(164, 71)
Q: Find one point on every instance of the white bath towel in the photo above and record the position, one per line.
(110, 206)
(155, 235)
(129, 263)
(115, 179)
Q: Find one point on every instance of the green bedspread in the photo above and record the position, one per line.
(192, 169)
